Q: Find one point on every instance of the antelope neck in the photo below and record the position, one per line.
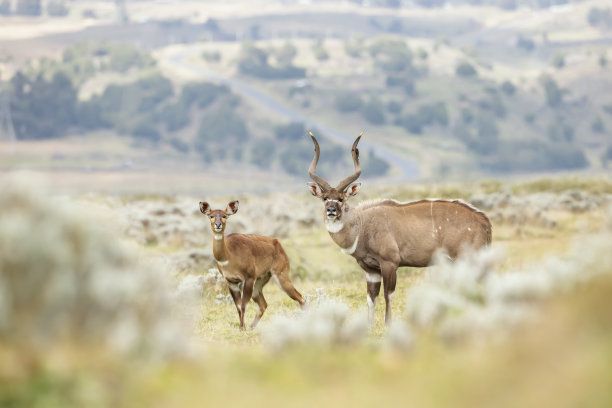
(347, 236)
(219, 248)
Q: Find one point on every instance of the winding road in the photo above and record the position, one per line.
(408, 169)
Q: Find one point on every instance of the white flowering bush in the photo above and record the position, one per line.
(472, 297)
(64, 277)
(323, 324)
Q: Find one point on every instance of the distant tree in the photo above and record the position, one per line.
(374, 165)
(394, 107)
(430, 3)
(28, 7)
(597, 125)
(146, 130)
(263, 152)
(348, 102)
(525, 43)
(5, 7)
(554, 94)
(293, 131)
(404, 81)
(42, 109)
(603, 60)
(467, 115)
(57, 8)
(374, 111)
(558, 61)
(319, 50)
(466, 70)
(607, 156)
(253, 61)
(175, 116)
(179, 145)
(285, 54)
(355, 47)
(600, 17)
(508, 88)
(391, 55)
(559, 131)
(508, 4)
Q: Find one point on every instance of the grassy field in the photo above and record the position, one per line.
(559, 357)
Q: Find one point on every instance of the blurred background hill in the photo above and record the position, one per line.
(172, 95)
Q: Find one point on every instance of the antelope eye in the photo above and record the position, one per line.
(340, 200)
(224, 217)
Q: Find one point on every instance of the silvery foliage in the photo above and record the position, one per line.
(471, 297)
(323, 323)
(64, 276)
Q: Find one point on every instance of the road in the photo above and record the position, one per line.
(408, 169)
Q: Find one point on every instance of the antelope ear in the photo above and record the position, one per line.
(315, 190)
(353, 189)
(205, 208)
(232, 207)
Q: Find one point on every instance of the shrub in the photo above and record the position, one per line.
(74, 283)
(211, 56)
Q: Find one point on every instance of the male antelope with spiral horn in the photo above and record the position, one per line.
(386, 234)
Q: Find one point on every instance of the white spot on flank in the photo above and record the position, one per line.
(447, 220)
(469, 229)
(440, 227)
(349, 251)
(218, 237)
(333, 226)
(373, 277)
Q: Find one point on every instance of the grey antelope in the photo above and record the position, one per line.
(385, 234)
(247, 262)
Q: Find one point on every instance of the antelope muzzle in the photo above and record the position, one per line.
(332, 209)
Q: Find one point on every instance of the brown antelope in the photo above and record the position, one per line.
(247, 261)
(384, 235)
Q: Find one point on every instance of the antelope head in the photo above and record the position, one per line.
(334, 199)
(218, 218)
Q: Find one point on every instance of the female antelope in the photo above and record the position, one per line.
(247, 261)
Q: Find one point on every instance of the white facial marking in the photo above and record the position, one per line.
(222, 263)
(373, 277)
(218, 237)
(333, 226)
(349, 251)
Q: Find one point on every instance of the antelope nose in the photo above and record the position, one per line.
(218, 226)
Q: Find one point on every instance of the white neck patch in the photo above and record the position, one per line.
(349, 251)
(222, 263)
(333, 226)
(218, 237)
